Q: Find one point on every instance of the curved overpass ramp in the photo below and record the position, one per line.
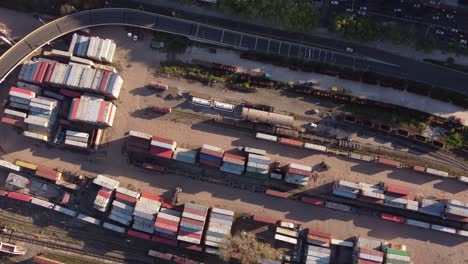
(195, 31)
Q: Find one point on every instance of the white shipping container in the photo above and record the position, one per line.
(266, 137)
(286, 239)
(462, 179)
(128, 192)
(343, 243)
(9, 165)
(201, 102)
(315, 147)
(35, 135)
(64, 210)
(222, 211)
(437, 172)
(300, 167)
(106, 182)
(462, 233)
(15, 113)
(42, 203)
(223, 106)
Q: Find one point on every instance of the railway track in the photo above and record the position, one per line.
(58, 246)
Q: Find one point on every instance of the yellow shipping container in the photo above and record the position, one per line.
(25, 164)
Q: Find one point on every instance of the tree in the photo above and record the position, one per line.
(249, 249)
(455, 139)
(356, 28)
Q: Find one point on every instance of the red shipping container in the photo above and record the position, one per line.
(42, 71)
(3, 193)
(167, 206)
(397, 246)
(392, 218)
(232, 156)
(11, 121)
(154, 167)
(298, 171)
(20, 197)
(138, 234)
(166, 221)
(70, 93)
(396, 190)
(193, 221)
(193, 211)
(47, 170)
(165, 226)
(277, 194)
(102, 108)
(312, 201)
(104, 194)
(103, 85)
(166, 241)
(388, 162)
(162, 109)
(266, 220)
(23, 91)
(188, 234)
(161, 152)
(46, 175)
(178, 259)
(190, 246)
(49, 72)
(365, 261)
(151, 196)
(125, 198)
(42, 260)
(210, 163)
(163, 140)
(319, 233)
(290, 142)
(419, 168)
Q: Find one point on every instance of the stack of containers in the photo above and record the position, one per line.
(121, 212)
(397, 256)
(211, 156)
(126, 196)
(317, 255)
(233, 164)
(138, 142)
(219, 226)
(16, 182)
(145, 212)
(106, 182)
(258, 166)
(185, 155)
(82, 77)
(42, 117)
(456, 210)
(167, 223)
(36, 71)
(48, 174)
(14, 117)
(77, 139)
(162, 147)
(366, 251)
(102, 201)
(298, 174)
(371, 193)
(192, 223)
(93, 48)
(398, 197)
(93, 110)
(431, 207)
(346, 189)
(20, 98)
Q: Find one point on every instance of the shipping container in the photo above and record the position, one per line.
(462, 179)
(437, 172)
(64, 210)
(312, 201)
(266, 137)
(389, 162)
(417, 223)
(10, 166)
(286, 239)
(113, 227)
(290, 142)
(283, 195)
(223, 106)
(392, 218)
(137, 234)
(20, 197)
(337, 206)
(106, 182)
(396, 190)
(89, 219)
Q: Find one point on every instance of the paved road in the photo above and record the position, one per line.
(407, 68)
(243, 37)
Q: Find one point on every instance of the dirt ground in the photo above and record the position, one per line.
(138, 61)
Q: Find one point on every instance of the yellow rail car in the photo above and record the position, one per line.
(26, 165)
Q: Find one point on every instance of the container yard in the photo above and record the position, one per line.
(232, 154)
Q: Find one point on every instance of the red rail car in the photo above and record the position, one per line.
(392, 218)
(277, 194)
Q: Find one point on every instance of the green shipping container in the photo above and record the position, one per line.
(395, 261)
(398, 252)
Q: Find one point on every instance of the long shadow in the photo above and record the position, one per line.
(407, 176)
(450, 186)
(369, 168)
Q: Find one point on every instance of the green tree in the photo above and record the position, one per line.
(249, 249)
(455, 139)
(356, 28)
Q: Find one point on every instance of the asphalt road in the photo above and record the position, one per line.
(242, 36)
(406, 68)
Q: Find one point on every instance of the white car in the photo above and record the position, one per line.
(135, 37)
(362, 13)
(334, 2)
(463, 41)
(435, 17)
(449, 16)
(316, 111)
(439, 32)
(349, 10)
(129, 35)
(312, 125)
(349, 49)
(363, 8)
(397, 10)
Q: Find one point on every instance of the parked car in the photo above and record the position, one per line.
(349, 49)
